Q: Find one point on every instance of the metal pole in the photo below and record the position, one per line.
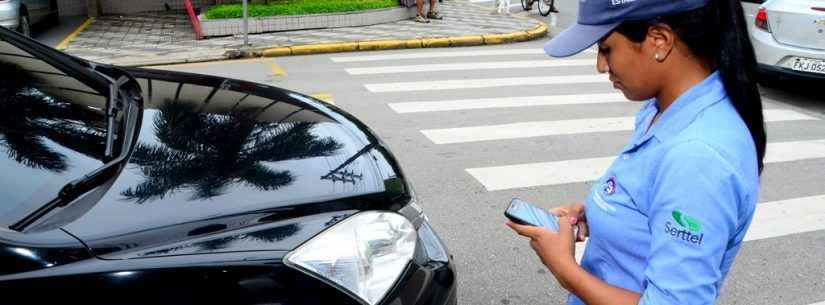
(245, 22)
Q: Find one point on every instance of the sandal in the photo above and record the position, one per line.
(421, 19)
(434, 15)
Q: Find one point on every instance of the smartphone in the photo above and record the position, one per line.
(524, 213)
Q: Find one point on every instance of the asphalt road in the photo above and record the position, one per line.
(436, 99)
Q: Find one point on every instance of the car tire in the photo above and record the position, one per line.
(24, 27)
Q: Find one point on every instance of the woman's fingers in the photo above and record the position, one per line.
(559, 211)
(526, 231)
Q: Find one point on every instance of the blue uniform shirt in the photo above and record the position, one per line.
(669, 215)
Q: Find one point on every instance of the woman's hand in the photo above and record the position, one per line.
(556, 250)
(576, 211)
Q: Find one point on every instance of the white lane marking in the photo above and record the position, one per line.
(507, 102)
(547, 63)
(565, 127)
(486, 83)
(794, 151)
(441, 54)
(498, 178)
(776, 219)
(527, 130)
(786, 217)
(581, 170)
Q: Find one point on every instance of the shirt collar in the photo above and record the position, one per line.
(686, 107)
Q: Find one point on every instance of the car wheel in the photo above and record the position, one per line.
(24, 26)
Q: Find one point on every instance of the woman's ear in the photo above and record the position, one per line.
(662, 40)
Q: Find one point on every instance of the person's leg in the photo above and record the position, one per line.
(433, 14)
(419, 5)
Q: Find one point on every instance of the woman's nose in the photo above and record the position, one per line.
(601, 64)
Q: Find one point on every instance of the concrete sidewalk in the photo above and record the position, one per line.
(168, 38)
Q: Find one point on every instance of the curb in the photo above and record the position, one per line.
(371, 45)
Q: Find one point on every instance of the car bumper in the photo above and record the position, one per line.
(774, 57)
(8, 15)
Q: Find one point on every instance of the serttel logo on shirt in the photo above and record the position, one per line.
(691, 227)
(686, 221)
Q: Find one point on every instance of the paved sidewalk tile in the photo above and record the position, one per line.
(167, 37)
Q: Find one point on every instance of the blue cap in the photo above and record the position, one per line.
(598, 18)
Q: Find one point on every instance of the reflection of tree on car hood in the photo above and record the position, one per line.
(29, 118)
(207, 152)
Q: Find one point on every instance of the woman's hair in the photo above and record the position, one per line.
(718, 33)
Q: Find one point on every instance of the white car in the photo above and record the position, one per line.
(21, 15)
(788, 36)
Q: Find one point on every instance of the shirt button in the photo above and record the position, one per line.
(625, 156)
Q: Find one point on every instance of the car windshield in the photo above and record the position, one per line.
(52, 131)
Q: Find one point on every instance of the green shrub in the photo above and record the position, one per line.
(296, 7)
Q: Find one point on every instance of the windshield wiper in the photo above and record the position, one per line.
(76, 188)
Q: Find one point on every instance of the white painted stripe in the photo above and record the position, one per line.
(565, 127)
(507, 102)
(486, 83)
(786, 217)
(777, 218)
(819, 303)
(537, 174)
(512, 4)
(527, 130)
(582, 170)
(794, 151)
(493, 65)
(441, 54)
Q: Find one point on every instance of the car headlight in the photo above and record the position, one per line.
(363, 255)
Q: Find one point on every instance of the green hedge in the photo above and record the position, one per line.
(296, 7)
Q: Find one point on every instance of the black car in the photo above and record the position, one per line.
(138, 186)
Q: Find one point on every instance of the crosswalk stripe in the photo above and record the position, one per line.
(564, 127)
(507, 102)
(581, 170)
(527, 130)
(441, 54)
(486, 83)
(786, 217)
(492, 65)
(777, 218)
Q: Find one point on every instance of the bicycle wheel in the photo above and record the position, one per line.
(546, 7)
(527, 4)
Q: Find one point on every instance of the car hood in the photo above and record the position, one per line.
(223, 159)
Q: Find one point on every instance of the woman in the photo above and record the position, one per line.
(668, 217)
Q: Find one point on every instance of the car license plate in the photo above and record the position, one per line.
(808, 65)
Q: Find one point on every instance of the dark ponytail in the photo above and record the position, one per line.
(718, 33)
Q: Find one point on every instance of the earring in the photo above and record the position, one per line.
(656, 56)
